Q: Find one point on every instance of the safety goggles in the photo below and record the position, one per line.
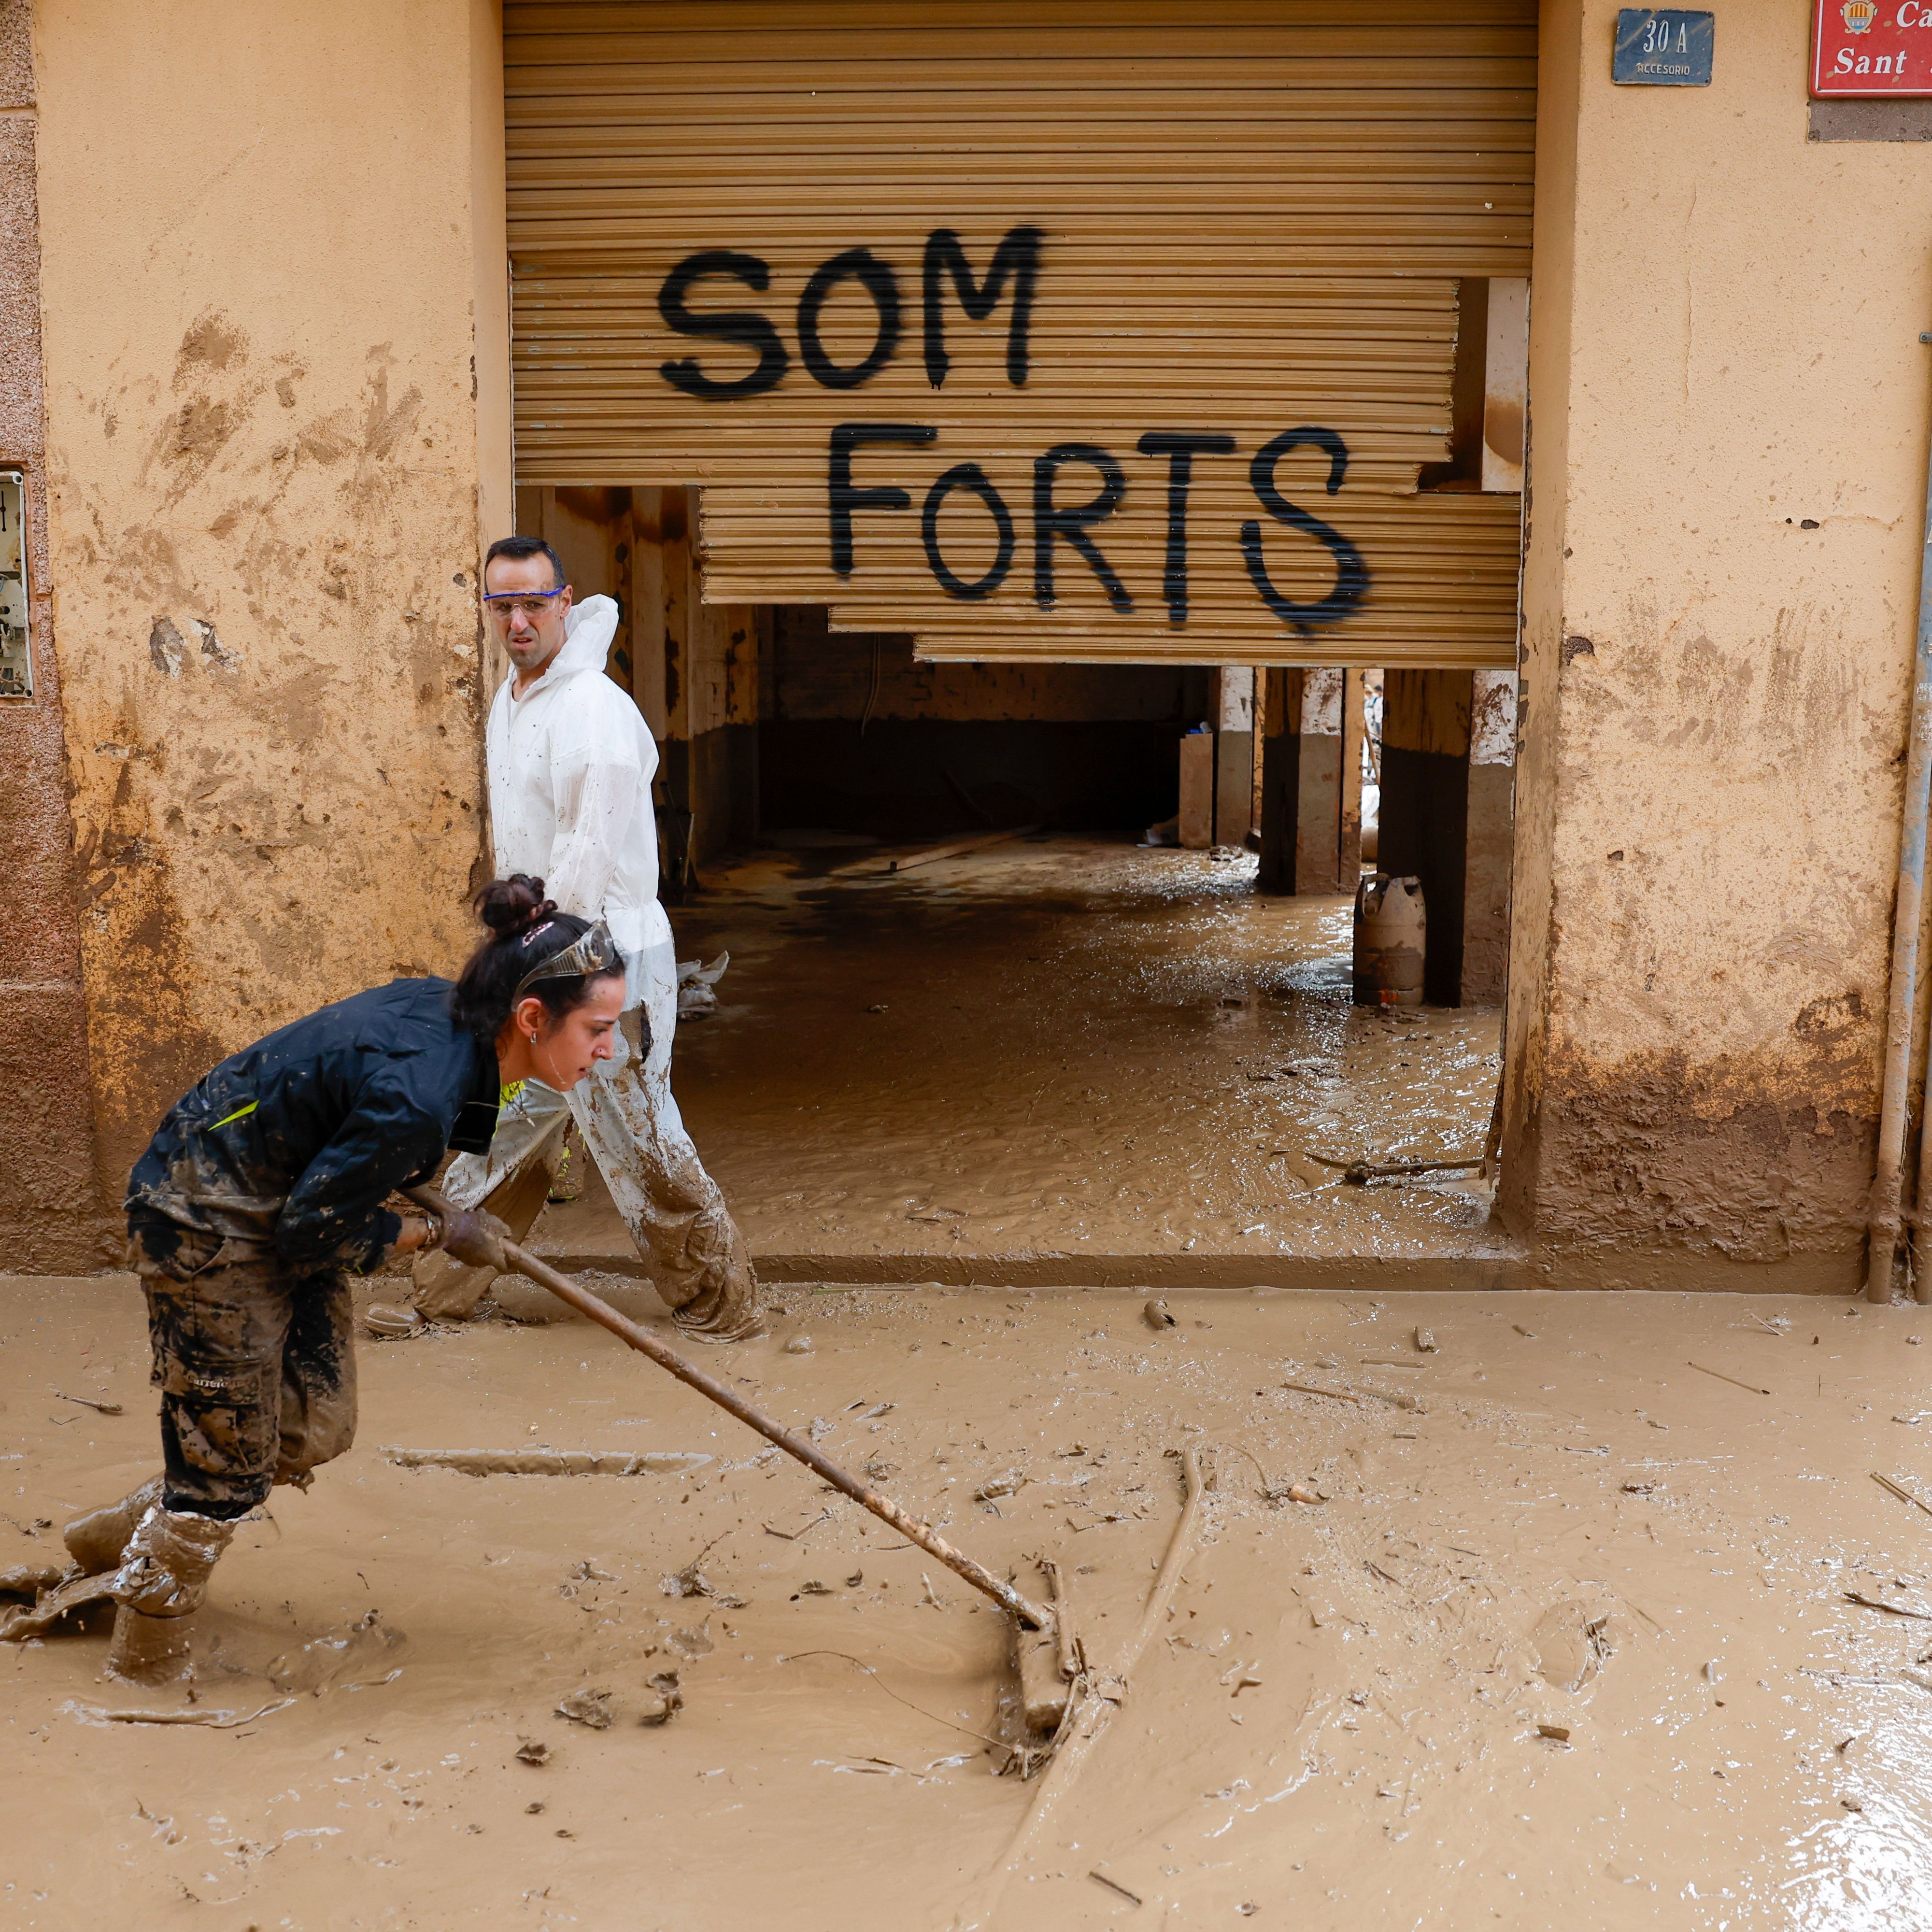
(532, 603)
(596, 952)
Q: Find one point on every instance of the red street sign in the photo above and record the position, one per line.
(1871, 47)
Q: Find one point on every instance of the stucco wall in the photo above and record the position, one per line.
(1729, 405)
(263, 270)
(50, 1216)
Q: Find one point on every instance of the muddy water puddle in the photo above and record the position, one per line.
(1065, 1047)
(1571, 1635)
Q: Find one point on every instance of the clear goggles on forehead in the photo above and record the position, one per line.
(596, 952)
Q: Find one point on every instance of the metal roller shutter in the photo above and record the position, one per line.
(1244, 217)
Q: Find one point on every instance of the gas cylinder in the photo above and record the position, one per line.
(1390, 928)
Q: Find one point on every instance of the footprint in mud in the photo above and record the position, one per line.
(368, 1651)
(1570, 1643)
(692, 1644)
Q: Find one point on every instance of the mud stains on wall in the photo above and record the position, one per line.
(1718, 1159)
(1719, 594)
(264, 464)
(1734, 901)
(49, 1210)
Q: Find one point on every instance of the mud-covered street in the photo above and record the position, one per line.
(1571, 1632)
(1053, 1059)
(1166, 766)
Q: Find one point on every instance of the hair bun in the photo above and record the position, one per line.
(511, 906)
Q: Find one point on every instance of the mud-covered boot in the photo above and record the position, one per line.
(162, 1581)
(446, 1290)
(96, 1540)
(165, 1568)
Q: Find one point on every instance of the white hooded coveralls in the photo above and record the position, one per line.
(570, 766)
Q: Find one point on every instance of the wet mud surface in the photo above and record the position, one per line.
(1066, 1047)
(1570, 1639)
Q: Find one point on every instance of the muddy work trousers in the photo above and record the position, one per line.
(256, 1368)
(676, 1213)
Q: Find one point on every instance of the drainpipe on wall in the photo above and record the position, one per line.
(1915, 1217)
(1903, 1002)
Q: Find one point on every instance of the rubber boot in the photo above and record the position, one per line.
(96, 1540)
(165, 1569)
(163, 1580)
(151, 1650)
(445, 1290)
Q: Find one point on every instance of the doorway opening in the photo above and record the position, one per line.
(1042, 973)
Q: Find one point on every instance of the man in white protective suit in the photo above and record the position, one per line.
(571, 760)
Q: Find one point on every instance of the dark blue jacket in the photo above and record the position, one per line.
(289, 1147)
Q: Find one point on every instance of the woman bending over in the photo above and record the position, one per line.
(263, 1194)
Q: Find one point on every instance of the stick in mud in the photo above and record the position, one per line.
(1891, 1609)
(1899, 1489)
(552, 1462)
(793, 1535)
(215, 1721)
(955, 851)
(1722, 1378)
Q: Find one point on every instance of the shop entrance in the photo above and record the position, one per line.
(1015, 443)
(1014, 995)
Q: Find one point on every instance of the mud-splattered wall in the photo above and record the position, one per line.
(1730, 403)
(50, 1216)
(275, 352)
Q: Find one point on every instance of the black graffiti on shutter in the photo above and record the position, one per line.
(745, 327)
(1018, 255)
(1351, 573)
(841, 498)
(1180, 447)
(970, 477)
(1051, 520)
(862, 266)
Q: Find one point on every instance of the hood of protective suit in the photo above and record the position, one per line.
(588, 629)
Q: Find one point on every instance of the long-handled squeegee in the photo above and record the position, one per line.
(1049, 1662)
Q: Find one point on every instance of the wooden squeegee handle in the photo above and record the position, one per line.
(561, 1285)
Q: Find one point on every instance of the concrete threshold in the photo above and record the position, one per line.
(587, 1237)
(1460, 1271)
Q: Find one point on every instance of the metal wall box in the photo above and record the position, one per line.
(1663, 46)
(17, 660)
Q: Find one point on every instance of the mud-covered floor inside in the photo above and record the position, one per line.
(1552, 1520)
(1055, 1059)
